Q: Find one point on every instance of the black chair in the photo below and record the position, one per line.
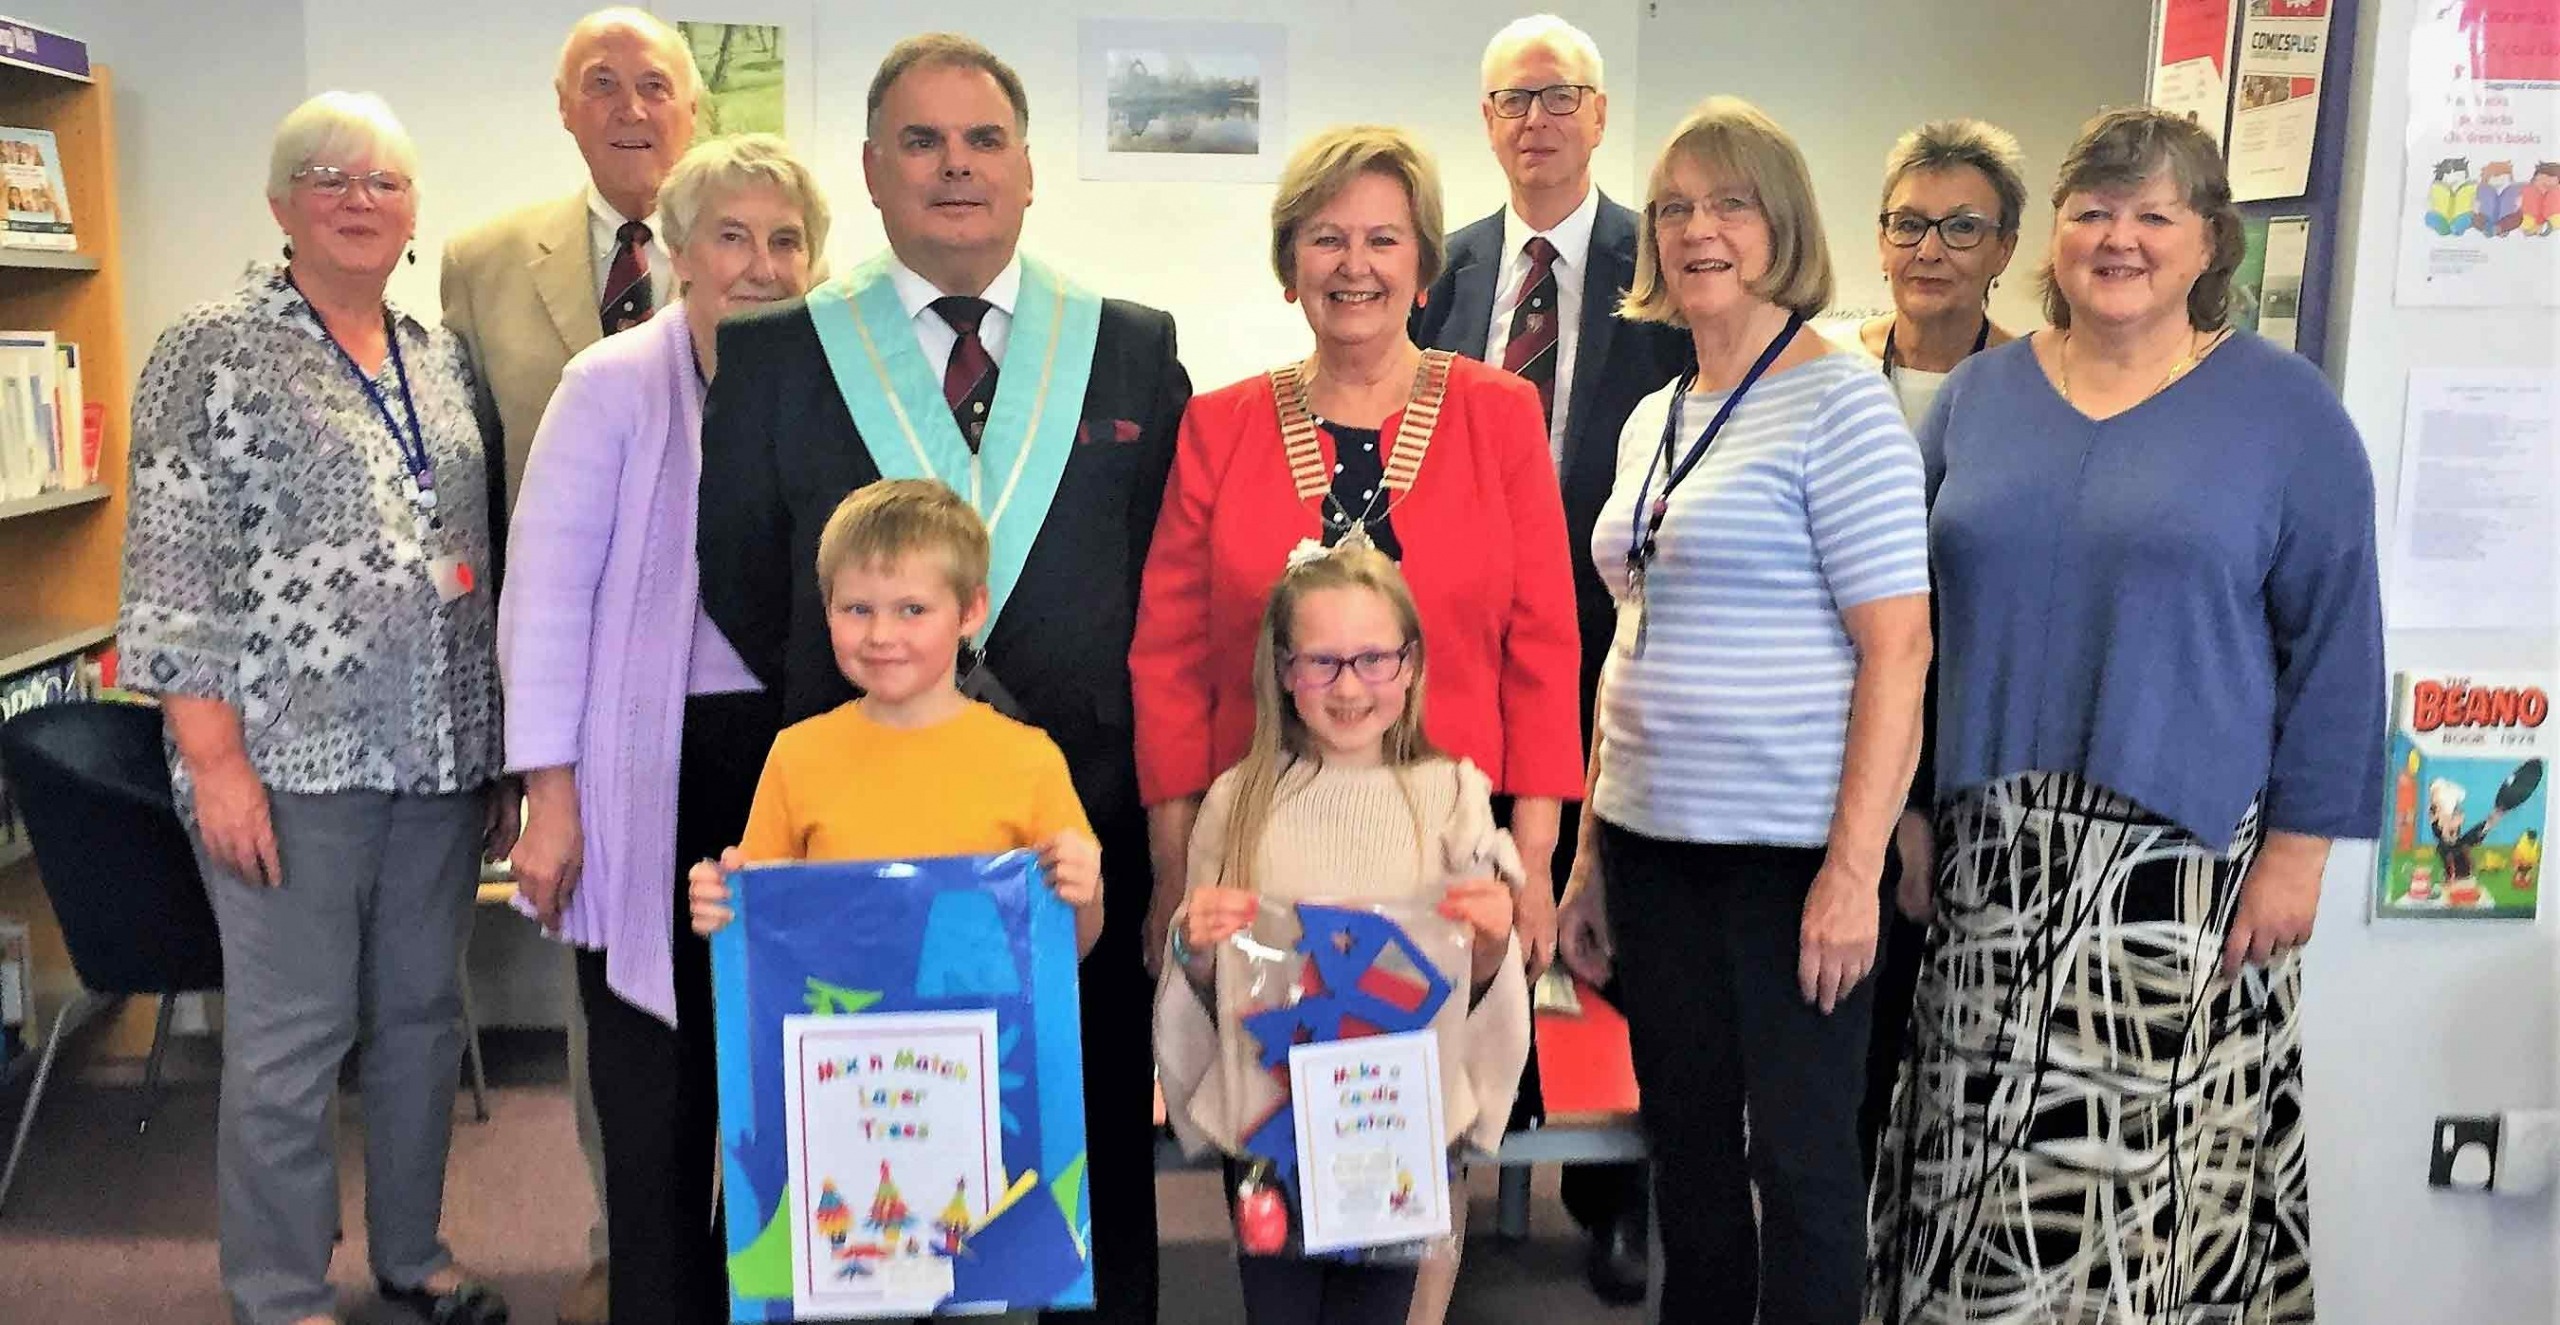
(93, 788)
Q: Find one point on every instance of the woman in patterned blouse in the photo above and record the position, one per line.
(309, 529)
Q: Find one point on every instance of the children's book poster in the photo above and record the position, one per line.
(901, 1091)
(2467, 811)
(2481, 196)
(1372, 1146)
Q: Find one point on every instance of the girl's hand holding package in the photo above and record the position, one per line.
(1073, 863)
(1484, 906)
(707, 890)
(1212, 915)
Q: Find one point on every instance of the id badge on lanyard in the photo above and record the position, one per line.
(453, 576)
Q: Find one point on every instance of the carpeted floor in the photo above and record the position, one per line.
(107, 1225)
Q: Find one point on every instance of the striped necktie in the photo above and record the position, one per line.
(969, 378)
(1531, 351)
(628, 300)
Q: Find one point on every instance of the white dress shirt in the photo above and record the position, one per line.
(916, 295)
(1572, 239)
(604, 235)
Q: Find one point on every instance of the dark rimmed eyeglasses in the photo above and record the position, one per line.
(1315, 671)
(1958, 230)
(333, 183)
(1560, 99)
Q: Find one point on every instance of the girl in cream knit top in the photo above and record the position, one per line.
(1342, 801)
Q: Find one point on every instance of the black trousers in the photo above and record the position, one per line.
(1119, 1089)
(1897, 981)
(656, 1086)
(1707, 939)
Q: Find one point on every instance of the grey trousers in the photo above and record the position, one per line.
(359, 944)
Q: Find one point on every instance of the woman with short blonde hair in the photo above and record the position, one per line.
(639, 731)
(1757, 726)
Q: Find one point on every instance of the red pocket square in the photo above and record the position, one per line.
(1122, 430)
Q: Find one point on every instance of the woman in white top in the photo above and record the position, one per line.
(1953, 192)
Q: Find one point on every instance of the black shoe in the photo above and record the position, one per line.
(1615, 1263)
(470, 1303)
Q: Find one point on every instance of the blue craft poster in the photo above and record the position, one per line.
(854, 939)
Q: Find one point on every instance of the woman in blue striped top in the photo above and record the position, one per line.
(1756, 731)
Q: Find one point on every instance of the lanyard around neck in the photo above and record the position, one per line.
(1891, 362)
(1650, 510)
(412, 441)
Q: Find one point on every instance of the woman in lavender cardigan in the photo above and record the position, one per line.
(634, 723)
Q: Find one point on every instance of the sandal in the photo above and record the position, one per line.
(469, 1302)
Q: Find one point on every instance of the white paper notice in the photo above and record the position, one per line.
(2473, 544)
(895, 1131)
(2280, 294)
(2275, 110)
(1373, 1156)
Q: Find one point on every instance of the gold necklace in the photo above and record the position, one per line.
(2062, 362)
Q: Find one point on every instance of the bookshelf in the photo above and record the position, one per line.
(61, 552)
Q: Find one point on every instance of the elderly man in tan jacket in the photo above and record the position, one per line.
(530, 289)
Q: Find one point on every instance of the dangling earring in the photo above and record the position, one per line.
(288, 250)
(413, 255)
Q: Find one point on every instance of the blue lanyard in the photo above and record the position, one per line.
(1650, 510)
(413, 442)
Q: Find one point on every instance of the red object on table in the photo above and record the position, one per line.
(1585, 1070)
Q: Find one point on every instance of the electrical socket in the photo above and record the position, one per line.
(2516, 1153)
(2463, 1152)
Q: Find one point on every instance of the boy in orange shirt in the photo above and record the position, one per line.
(912, 768)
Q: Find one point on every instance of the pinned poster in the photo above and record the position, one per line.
(1372, 1151)
(2190, 61)
(901, 1091)
(2275, 114)
(2480, 197)
(2472, 543)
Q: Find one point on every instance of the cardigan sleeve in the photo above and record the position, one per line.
(1496, 1048)
(1186, 1025)
(1540, 683)
(2324, 612)
(563, 527)
(1169, 655)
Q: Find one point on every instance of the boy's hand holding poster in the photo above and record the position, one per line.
(901, 1107)
(2467, 809)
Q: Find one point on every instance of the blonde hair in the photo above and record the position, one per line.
(898, 517)
(338, 125)
(1733, 142)
(1323, 166)
(740, 161)
(1281, 742)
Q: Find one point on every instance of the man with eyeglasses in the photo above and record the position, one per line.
(1535, 289)
(527, 291)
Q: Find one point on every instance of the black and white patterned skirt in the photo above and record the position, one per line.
(2092, 1125)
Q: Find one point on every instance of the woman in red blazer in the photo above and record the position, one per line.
(1441, 461)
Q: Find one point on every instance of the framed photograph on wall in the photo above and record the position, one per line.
(1182, 100)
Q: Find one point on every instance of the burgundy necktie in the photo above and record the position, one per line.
(627, 297)
(969, 378)
(1531, 351)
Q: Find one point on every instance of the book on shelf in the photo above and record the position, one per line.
(45, 441)
(39, 203)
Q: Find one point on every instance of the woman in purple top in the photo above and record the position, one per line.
(2160, 699)
(633, 722)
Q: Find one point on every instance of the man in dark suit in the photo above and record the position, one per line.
(1535, 289)
(1053, 412)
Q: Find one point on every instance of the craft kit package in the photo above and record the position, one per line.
(1336, 1025)
(901, 1091)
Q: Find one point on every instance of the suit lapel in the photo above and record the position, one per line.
(1610, 268)
(565, 277)
(1471, 293)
